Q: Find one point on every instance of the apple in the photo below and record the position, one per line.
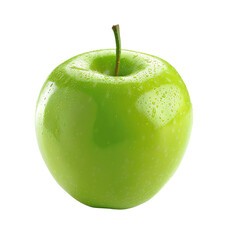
(113, 134)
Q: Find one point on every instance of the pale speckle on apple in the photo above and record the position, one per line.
(167, 101)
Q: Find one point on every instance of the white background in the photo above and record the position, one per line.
(200, 39)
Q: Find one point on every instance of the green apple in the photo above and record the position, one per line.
(113, 141)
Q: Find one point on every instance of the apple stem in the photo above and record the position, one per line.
(116, 31)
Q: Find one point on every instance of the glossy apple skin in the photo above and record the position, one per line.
(113, 142)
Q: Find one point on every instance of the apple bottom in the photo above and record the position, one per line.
(118, 174)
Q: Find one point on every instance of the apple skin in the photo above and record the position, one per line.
(113, 142)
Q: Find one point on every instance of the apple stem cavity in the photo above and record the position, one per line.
(116, 31)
